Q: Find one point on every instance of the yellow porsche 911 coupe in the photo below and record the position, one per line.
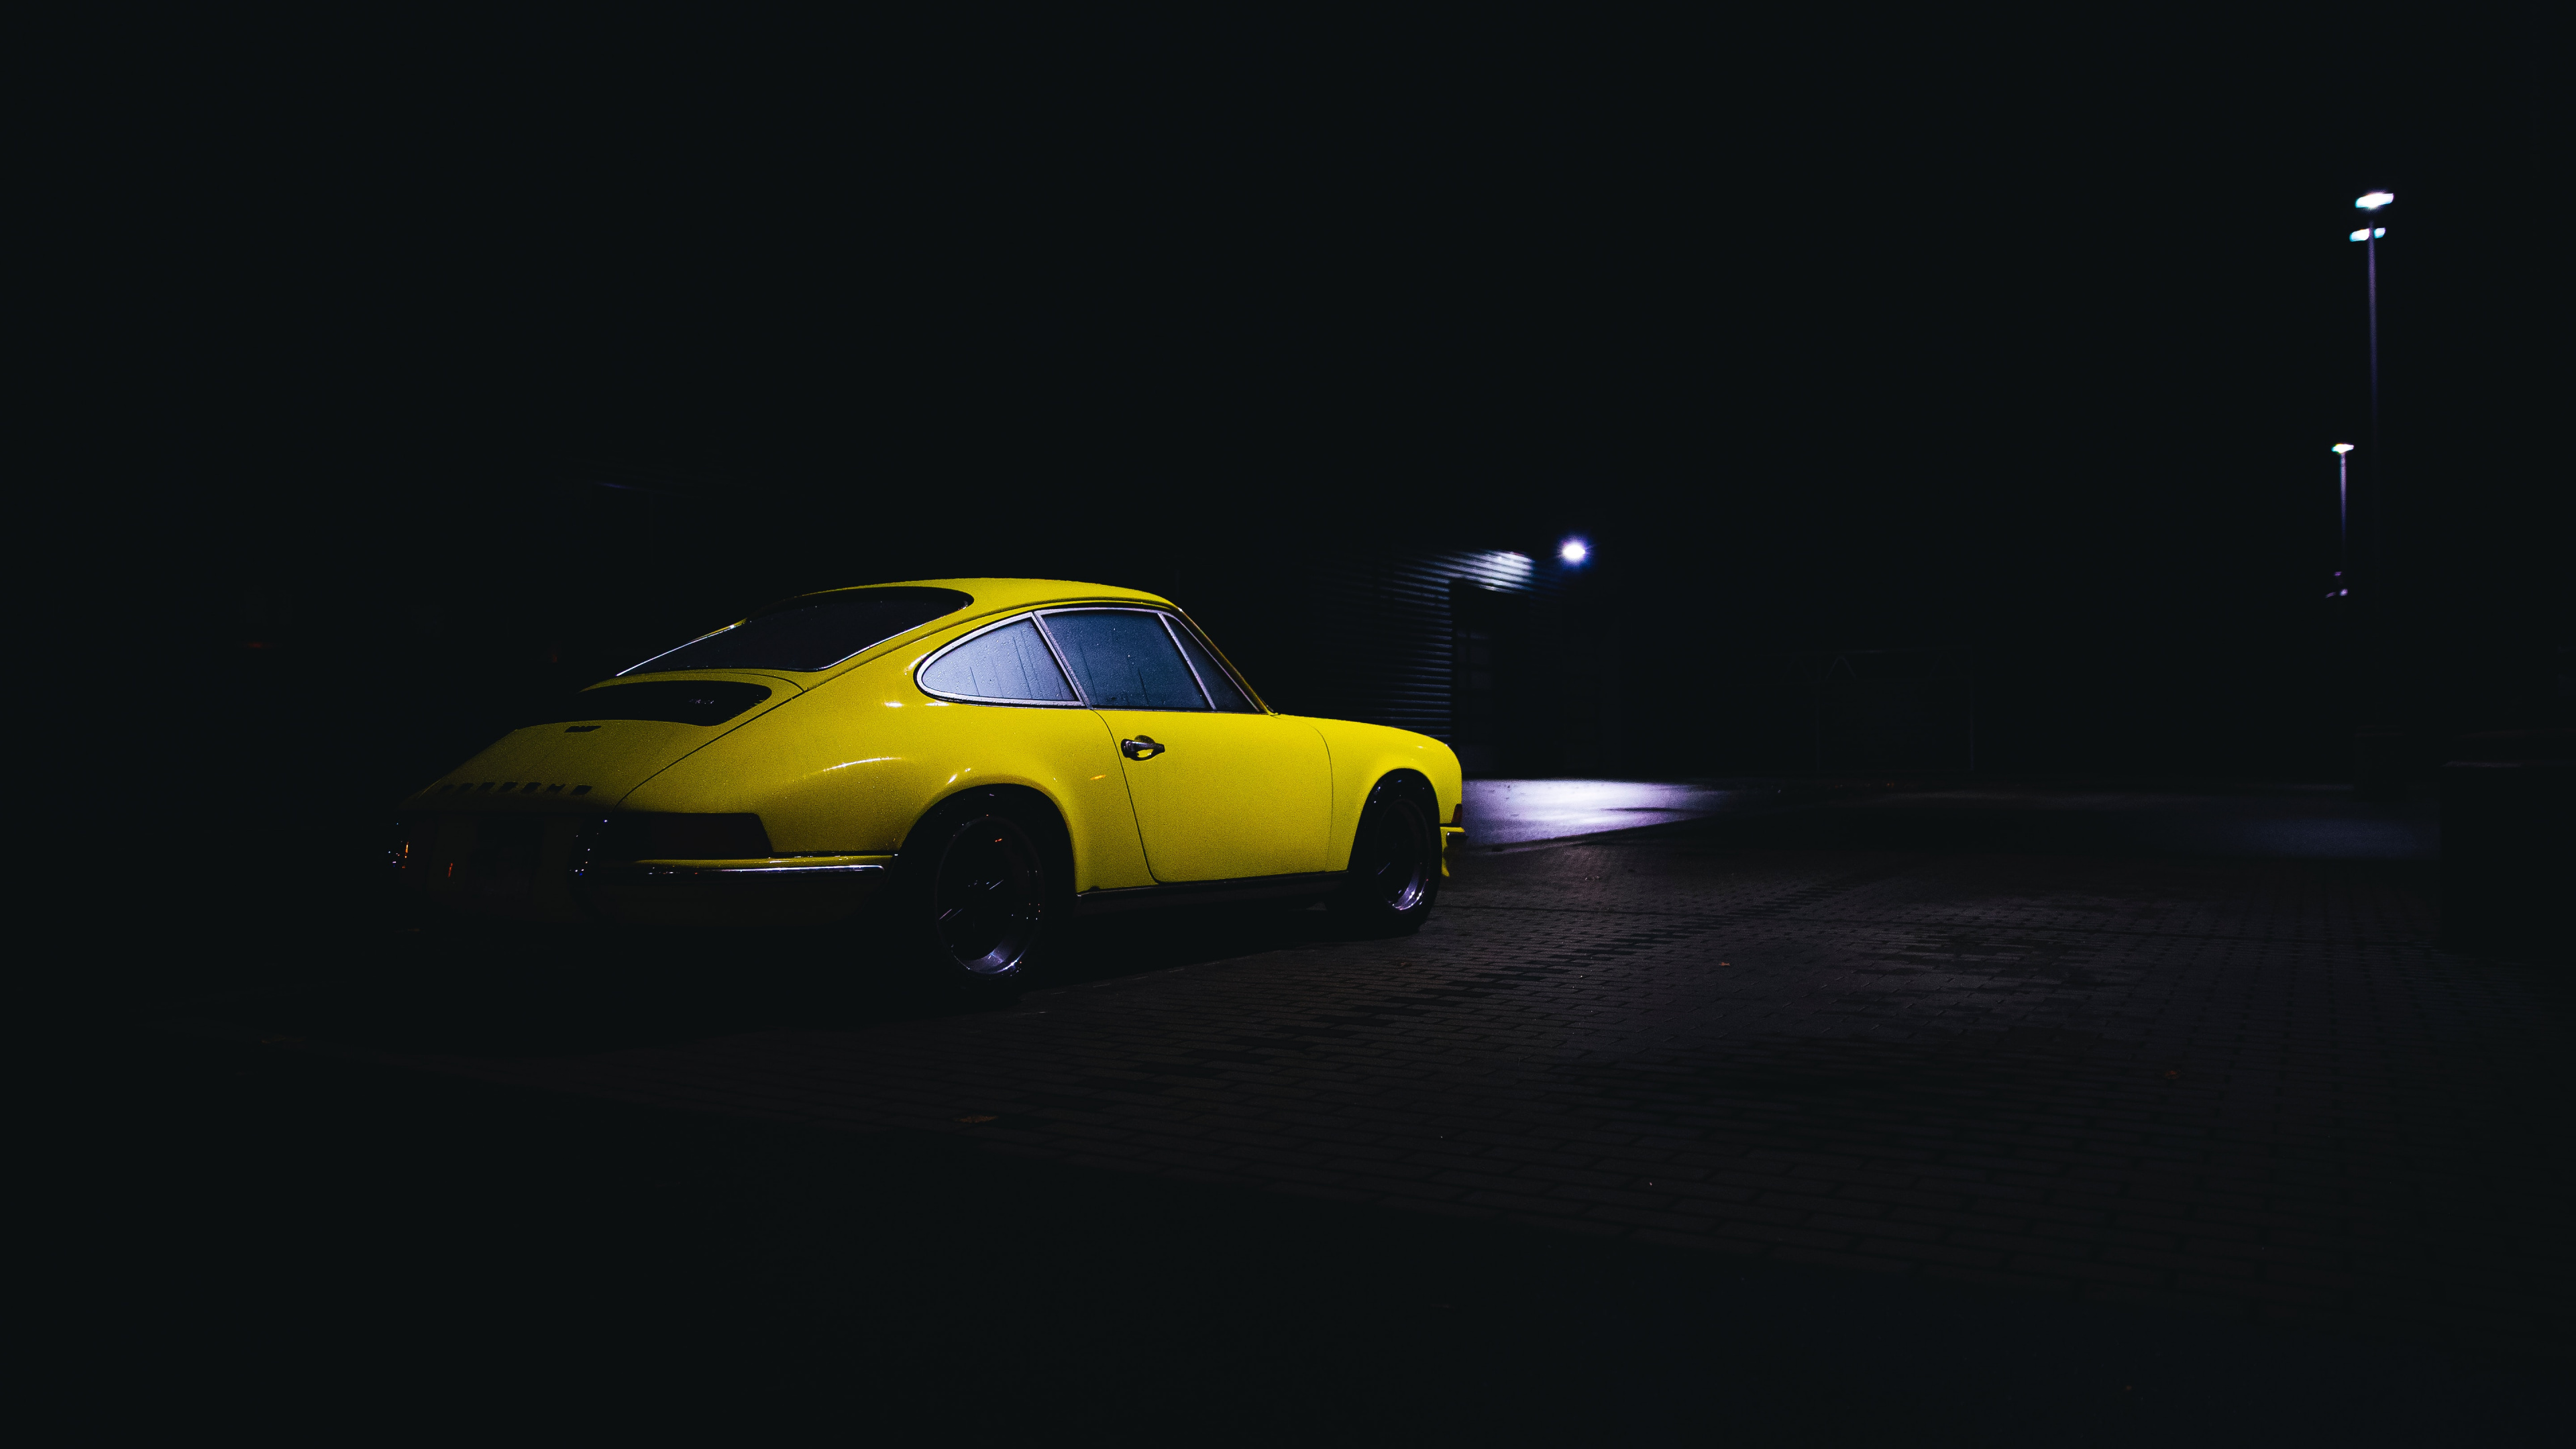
(963, 764)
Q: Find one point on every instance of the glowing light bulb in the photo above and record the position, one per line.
(1573, 551)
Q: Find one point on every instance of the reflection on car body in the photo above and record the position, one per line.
(963, 762)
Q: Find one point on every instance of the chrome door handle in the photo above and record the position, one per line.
(1140, 748)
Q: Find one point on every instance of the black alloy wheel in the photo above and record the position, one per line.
(988, 896)
(1395, 861)
(976, 893)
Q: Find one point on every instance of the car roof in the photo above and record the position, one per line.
(990, 597)
(994, 595)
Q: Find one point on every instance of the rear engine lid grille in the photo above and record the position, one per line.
(514, 789)
(676, 701)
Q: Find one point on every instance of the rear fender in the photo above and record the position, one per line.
(850, 769)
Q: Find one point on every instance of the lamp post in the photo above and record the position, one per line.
(2343, 522)
(2370, 202)
(2379, 762)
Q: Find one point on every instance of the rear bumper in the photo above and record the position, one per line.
(542, 868)
(782, 891)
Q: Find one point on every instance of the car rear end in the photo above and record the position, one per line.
(544, 842)
(511, 862)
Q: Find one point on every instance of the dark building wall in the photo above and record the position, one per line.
(1490, 650)
(1847, 710)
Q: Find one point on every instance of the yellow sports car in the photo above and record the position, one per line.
(968, 762)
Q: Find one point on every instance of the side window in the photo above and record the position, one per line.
(1124, 660)
(1009, 663)
(1220, 686)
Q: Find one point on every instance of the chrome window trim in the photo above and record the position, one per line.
(1188, 663)
(1171, 623)
(1077, 702)
(1176, 622)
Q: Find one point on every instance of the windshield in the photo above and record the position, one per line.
(810, 633)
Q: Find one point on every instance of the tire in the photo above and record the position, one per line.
(1395, 861)
(980, 891)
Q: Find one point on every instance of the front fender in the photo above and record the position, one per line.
(1364, 754)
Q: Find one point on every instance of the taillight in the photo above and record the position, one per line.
(415, 836)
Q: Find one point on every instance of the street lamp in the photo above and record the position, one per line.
(2374, 762)
(2343, 521)
(2369, 237)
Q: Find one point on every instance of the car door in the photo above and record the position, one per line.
(1223, 789)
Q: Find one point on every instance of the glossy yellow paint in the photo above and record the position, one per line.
(1229, 795)
(851, 766)
(579, 766)
(1364, 754)
(842, 762)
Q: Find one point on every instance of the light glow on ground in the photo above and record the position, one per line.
(1515, 812)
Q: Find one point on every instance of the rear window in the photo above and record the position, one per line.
(1010, 663)
(810, 633)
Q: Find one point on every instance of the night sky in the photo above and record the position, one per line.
(1846, 331)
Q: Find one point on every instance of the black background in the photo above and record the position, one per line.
(445, 360)
(418, 363)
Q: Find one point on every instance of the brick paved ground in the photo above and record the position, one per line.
(2238, 1087)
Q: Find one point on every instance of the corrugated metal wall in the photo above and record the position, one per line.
(1396, 645)
(1495, 652)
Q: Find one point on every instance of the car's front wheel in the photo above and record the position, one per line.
(978, 893)
(1394, 873)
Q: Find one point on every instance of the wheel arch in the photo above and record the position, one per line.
(1055, 831)
(1408, 778)
(1403, 777)
(1364, 755)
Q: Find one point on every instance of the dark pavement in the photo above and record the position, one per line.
(1923, 1117)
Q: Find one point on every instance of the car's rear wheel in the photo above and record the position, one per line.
(979, 892)
(1394, 874)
